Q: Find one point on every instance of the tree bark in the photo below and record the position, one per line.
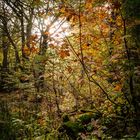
(39, 64)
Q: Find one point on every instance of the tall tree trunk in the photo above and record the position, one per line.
(4, 67)
(29, 27)
(17, 58)
(24, 56)
(39, 64)
(5, 47)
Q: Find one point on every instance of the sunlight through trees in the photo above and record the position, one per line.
(69, 70)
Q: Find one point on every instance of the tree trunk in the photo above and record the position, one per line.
(39, 64)
(5, 46)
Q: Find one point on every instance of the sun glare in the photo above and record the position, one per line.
(56, 31)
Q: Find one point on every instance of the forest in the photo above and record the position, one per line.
(69, 69)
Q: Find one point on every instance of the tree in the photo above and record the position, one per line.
(86, 70)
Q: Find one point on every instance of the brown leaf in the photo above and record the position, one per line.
(64, 53)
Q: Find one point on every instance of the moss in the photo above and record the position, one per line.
(72, 129)
(82, 124)
(86, 118)
(74, 126)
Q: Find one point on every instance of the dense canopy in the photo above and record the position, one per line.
(69, 70)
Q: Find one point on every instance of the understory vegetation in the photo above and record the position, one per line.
(69, 70)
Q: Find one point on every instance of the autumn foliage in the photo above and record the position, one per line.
(71, 69)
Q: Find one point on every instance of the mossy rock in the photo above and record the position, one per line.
(72, 129)
(86, 118)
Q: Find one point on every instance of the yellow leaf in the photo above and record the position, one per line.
(62, 10)
(88, 4)
(26, 50)
(85, 46)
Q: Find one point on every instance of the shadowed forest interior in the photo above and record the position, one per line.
(69, 69)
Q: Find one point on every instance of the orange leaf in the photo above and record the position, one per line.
(26, 50)
(46, 33)
(118, 87)
(85, 47)
(89, 4)
(34, 50)
(64, 53)
(33, 37)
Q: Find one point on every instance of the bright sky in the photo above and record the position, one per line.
(57, 31)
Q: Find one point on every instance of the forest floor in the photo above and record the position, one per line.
(23, 107)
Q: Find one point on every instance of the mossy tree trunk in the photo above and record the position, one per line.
(40, 63)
